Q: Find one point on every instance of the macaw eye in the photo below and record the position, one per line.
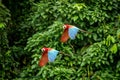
(64, 27)
(43, 49)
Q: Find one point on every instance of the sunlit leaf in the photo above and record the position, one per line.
(113, 49)
(2, 25)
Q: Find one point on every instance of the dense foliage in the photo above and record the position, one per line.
(28, 25)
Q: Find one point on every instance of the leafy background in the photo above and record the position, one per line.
(28, 25)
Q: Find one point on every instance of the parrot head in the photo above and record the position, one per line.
(44, 49)
(66, 26)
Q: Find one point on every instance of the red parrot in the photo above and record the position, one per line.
(48, 54)
(70, 31)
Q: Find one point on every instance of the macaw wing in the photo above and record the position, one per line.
(73, 32)
(64, 36)
(44, 59)
(52, 54)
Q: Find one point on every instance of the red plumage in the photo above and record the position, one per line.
(44, 59)
(65, 35)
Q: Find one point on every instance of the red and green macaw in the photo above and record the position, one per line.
(48, 55)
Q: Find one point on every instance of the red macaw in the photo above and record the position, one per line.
(48, 54)
(70, 31)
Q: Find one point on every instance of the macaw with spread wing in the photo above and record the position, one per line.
(70, 31)
(48, 55)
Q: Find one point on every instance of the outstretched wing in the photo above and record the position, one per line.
(64, 36)
(44, 59)
(73, 32)
(52, 54)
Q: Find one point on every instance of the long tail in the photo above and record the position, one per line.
(64, 53)
(85, 31)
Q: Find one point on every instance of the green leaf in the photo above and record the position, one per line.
(95, 36)
(2, 25)
(103, 0)
(118, 33)
(8, 52)
(113, 49)
(109, 40)
(83, 64)
(79, 6)
(110, 7)
(112, 39)
(88, 18)
(75, 18)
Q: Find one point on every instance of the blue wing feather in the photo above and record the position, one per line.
(52, 54)
(73, 32)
